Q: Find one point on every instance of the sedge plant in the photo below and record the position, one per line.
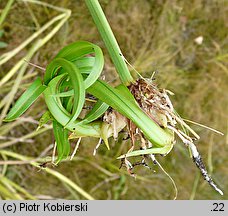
(71, 82)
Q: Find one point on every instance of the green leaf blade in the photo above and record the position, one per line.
(62, 142)
(26, 100)
(164, 150)
(97, 111)
(46, 117)
(76, 82)
(123, 103)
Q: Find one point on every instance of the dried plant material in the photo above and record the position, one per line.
(97, 146)
(76, 148)
(113, 123)
(157, 105)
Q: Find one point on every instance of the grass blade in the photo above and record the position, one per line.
(52, 172)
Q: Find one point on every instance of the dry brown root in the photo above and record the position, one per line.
(157, 105)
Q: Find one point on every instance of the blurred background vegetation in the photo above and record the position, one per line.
(185, 41)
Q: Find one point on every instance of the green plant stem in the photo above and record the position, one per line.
(109, 40)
